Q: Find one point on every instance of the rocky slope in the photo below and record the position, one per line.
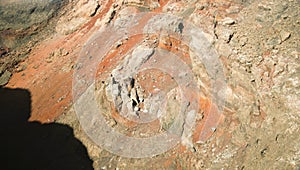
(257, 43)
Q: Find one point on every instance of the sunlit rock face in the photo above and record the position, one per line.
(257, 42)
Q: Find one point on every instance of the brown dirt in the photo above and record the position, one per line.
(258, 44)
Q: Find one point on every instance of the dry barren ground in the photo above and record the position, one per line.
(256, 41)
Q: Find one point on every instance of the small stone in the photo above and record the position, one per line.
(119, 43)
(226, 35)
(233, 9)
(264, 7)
(5, 78)
(115, 5)
(21, 68)
(3, 51)
(201, 6)
(61, 52)
(65, 53)
(285, 16)
(36, 66)
(49, 60)
(255, 112)
(112, 123)
(284, 35)
(228, 21)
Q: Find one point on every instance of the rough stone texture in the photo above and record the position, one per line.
(20, 19)
(258, 45)
(22, 25)
(77, 13)
(5, 78)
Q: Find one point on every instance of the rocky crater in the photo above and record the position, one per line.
(52, 47)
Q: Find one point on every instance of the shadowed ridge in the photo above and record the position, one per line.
(31, 145)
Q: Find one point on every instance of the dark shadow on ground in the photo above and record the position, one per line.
(31, 145)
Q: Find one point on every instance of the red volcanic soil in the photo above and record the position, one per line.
(50, 65)
(49, 76)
